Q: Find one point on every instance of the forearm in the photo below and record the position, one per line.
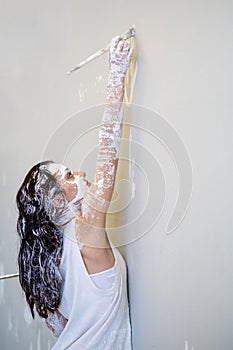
(56, 322)
(111, 124)
(115, 88)
(110, 131)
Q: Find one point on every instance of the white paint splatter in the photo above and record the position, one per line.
(10, 324)
(4, 180)
(27, 315)
(187, 346)
(2, 285)
(38, 340)
(82, 92)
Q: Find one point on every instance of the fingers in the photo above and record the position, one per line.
(130, 54)
(120, 55)
(114, 44)
(120, 45)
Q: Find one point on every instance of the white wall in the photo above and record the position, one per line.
(180, 283)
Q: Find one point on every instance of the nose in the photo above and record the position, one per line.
(80, 173)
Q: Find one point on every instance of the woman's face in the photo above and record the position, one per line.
(74, 184)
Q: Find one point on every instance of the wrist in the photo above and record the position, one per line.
(116, 77)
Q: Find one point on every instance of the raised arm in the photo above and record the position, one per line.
(111, 125)
(100, 193)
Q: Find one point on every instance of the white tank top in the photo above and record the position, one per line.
(104, 279)
(98, 318)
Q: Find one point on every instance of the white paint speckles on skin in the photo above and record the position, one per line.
(120, 55)
(57, 204)
(94, 201)
(119, 66)
(82, 187)
(61, 171)
(56, 321)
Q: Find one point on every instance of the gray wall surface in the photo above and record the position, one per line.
(174, 186)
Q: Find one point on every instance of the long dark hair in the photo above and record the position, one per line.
(41, 243)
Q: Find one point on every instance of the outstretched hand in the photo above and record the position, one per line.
(120, 55)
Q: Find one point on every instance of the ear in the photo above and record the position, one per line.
(59, 201)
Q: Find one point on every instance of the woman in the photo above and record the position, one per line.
(68, 269)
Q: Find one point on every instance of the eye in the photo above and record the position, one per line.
(69, 174)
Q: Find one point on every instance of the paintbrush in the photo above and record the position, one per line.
(128, 34)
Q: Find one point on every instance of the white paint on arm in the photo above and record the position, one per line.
(111, 125)
(56, 322)
(98, 197)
